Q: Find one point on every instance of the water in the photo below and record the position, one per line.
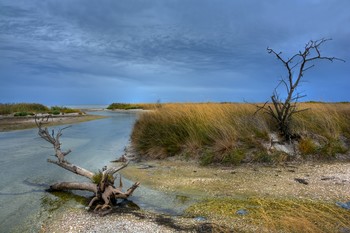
(25, 174)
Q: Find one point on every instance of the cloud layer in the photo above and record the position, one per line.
(98, 52)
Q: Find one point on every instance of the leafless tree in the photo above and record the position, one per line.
(283, 109)
(101, 183)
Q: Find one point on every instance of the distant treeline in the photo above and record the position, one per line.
(129, 106)
(25, 109)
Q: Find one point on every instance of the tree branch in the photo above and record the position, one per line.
(73, 168)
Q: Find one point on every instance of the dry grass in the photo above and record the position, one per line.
(325, 119)
(274, 215)
(221, 133)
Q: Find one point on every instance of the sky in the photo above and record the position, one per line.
(69, 52)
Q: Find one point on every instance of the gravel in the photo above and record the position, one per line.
(76, 220)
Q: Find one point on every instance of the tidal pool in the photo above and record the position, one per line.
(25, 173)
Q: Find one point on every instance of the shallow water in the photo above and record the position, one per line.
(25, 174)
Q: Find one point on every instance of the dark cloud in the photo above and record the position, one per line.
(173, 50)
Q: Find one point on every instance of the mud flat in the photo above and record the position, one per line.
(294, 197)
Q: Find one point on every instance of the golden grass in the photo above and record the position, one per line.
(328, 120)
(274, 215)
(219, 133)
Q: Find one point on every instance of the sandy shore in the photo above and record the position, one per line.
(124, 221)
(326, 183)
(9, 123)
(323, 181)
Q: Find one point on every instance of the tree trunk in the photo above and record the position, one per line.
(74, 186)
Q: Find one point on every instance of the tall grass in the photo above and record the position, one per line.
(232, 133)
(22, 107)
(216, 132)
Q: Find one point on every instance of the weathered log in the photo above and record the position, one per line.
(74, 186)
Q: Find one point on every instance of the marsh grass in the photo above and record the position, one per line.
(23, 108)
(129, 106)
(231, 133)
(55, 110)
(274, 215)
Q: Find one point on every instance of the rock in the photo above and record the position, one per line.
(302, 181)
(328, 178)
(242, 212)
(200, 219)
(145, 166)
(344, 230)
(343, 205)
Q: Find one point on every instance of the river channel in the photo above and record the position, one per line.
(25, 173)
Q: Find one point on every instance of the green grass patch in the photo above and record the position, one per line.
(97, 177)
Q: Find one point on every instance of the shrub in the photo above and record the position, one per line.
(207, 158)
(55, 112)
(332, 148)
(307, 146)
(21, 114)
(233, 157)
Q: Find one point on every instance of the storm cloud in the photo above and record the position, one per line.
(98, 52)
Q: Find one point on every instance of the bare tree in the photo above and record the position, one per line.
(283, 109)
(101, 183)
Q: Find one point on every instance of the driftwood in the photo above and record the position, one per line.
(101, 183)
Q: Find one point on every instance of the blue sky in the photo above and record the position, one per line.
(60, 52)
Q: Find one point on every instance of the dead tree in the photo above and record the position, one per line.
(101, 183)
(282, 110)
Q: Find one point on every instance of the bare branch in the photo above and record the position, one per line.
(73, 168)
(113, 170)
(283, 110)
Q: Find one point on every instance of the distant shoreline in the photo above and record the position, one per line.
(11, 123)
